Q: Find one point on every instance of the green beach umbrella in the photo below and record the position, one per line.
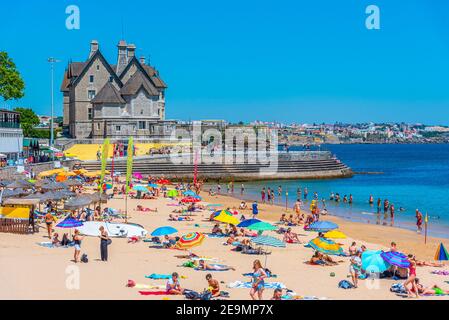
(172, 193)
(262, 226)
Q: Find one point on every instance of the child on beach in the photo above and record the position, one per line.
(355, 267)
(214, 286)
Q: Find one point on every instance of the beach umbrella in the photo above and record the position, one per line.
(163, 231)
(190, 240)
(214, 205)
(396, 258)
(441, 254)
(138, 175)
(217, 213)
(268, 241)
(73, 183)
(163, 181)
(98, 197)
(373, 262)
(140, 188)
(190, 200)
(172, 193)
(14, 193)
(225, 218)
(69, 223)
(322, 226)
(335, 234)
(326, 246)
(189, 193)
(262, 226)
(78, 202)
(20, 184)
(4, 183)
(248, 222)
(54, 186)
(152, 185)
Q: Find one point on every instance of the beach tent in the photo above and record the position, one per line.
(372, 262)
(322, 226)
(441, 254)
(396, 258)
(225, 218)
(163, 231)
(248, 222)
(190, 240)
(326, 246)
(335, 234)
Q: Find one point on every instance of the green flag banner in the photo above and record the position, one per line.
(104, 160)
(129, 163)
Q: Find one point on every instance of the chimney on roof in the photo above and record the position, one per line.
(131, 51)
(93, 48)
(122, 59)
(142, 60)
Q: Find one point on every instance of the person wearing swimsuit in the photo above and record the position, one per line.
(259, 276)
(412, 277)
(49, 222)
(77, 240)
(214, 286)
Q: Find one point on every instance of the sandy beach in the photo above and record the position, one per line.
(30, 271)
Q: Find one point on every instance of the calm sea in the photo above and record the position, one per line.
(412, 177)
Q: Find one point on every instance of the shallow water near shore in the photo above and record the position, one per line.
(412, 177)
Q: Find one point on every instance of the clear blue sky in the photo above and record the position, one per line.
(301, 61)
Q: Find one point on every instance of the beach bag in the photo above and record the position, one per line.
(398, 288)
(109, 242)
(344, 284)
(84, 258)
(191, 295)
(206, 295)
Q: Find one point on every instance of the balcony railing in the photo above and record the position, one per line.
(9, 125)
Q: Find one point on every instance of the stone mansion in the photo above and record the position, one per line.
(116, 101)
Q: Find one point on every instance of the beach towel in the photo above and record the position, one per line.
(252, 274)
(156, 276)
(155, 293)
(133, 284)
(440, 272)
(219, 267)
(248, 285)
(216, 235)
(50, 245)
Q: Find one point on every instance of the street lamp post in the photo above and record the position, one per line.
(52, 62)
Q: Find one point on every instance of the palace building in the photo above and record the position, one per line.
(116, 101)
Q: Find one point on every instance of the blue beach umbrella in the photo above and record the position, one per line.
(140, 188)
(396, 258)
(248, 222)
(441, 254)
(189, 193)
(372, 262)
(152, 185)
(69, 223)
(322, 226)
(163, 231)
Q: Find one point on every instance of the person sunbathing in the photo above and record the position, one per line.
(169, 242)
(423, 263)
(177, 218)
(283, 219)
(142, 209)
(216, 230)
(434, 290)
(277, 295)
(320, 259)
(291, 237)
(202, 265)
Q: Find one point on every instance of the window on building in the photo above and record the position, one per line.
(142, 125)
(98, 67)
(89, 113)
(98, 126)
(91, 79)
(91, 94)
(118, 128)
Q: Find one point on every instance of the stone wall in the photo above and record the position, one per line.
(8, 172)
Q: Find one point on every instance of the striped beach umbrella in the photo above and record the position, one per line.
(190, 240)
(372, 262)
(322, 226)
(441, 254)
(163, 231)
(69, 223)
(326, 246)
(396, 258)
(248, 222)
(268, 241)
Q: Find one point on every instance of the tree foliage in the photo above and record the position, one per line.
(11, 84)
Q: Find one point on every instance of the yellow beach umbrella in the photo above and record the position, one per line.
(190, 240)
(225, 218)
(335, 234)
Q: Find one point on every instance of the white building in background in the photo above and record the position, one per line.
(11, 135)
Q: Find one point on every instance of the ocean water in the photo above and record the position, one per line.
(411, 176)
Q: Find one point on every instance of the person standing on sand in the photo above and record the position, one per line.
(49, 219)
(419, 220)
(242, 189)
(411, 278)
(258, 284)
(355, 267)
(255, 210)
(77, 240)
(104, 242)
(262, 193)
